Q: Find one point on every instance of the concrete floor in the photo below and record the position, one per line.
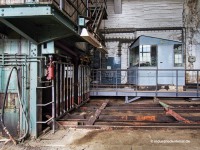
(87, 139)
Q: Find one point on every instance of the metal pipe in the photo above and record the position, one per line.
(64, 90)
(44, 87)
(14, 56)
(67, 88)
(131, 30)
(70, 89)
(79, 83)
(45, 104)
(16, 64)
(61, 90)
(73, 87)
(82, 83)
(197, 83)
(85, 83)
(57, 93)
(44, 122)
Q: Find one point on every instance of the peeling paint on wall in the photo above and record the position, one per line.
(191, 20)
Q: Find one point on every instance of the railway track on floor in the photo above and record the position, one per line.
(108, 114)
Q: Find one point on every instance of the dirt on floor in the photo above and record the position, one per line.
(90, 139)
(107, 139)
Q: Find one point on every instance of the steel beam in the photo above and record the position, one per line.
(25, 11)
(33, 92)
(131, 100)
(131, 30)
(12, 26)
(43, 23)
(114, 92)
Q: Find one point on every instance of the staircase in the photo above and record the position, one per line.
(97, 12)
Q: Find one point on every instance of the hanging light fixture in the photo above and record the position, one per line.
(90, 38)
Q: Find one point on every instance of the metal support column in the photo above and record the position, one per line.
(33, 93)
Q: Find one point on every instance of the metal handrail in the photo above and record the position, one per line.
(44, 122)
(45, 104)
(145, 82)
(114, 74)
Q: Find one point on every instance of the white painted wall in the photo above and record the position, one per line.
(143, 14)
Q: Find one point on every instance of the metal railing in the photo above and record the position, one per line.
(83, 85)
(148, 80)
(63, 88)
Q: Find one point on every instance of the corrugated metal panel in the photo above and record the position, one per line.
(14, 46)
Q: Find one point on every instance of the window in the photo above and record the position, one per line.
(148, 55)
(178, 55)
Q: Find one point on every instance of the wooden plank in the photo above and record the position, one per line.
(94, 117)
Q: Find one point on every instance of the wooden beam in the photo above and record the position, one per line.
(94, 117)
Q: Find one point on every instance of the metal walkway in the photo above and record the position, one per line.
(145, 83)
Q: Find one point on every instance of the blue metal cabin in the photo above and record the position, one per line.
(150, 54)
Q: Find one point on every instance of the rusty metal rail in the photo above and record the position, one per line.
(131, 116)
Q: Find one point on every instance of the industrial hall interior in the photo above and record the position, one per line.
(99, 74)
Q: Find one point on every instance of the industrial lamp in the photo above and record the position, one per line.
(90, 38)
